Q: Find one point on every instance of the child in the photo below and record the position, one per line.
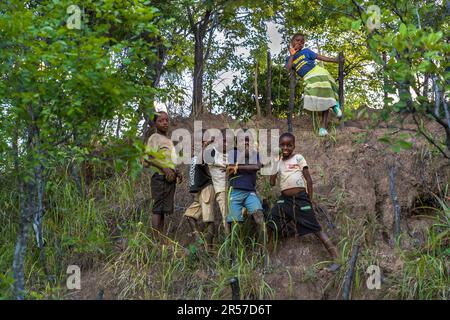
(295, 202)
(321, 92)
(200, 183)
(242, 181)
(164, 180)
(217, 168)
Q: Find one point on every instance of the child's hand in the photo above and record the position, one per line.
(170, 174)
(232, 170)
(179, 175)
(292, 50)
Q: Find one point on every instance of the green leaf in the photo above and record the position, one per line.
(356, 24)
(405, 144)
(396, 148)
(384, 139)
(192, 249)
(403, 30)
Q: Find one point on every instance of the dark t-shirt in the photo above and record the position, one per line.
(199, 176)
(244, 180)
(303, 61)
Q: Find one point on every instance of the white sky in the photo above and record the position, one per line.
(275, 42)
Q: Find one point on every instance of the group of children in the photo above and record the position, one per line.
(229, 178)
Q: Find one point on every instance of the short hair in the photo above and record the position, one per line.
(287, 134)
(157, 114)
(297, 35)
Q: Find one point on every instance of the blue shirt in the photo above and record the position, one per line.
(303, 61)
(244, 180)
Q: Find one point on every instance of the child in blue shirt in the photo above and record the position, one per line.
(321, 92)
(242, 182)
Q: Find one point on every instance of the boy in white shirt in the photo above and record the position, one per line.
(295, 203)
(217, 169)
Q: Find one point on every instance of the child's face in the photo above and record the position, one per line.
(298, 43)
(287, 146)
(162, 123)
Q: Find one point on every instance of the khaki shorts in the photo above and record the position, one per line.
(221, 198)
(203, 205)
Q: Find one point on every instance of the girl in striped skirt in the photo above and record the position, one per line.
(321, 92)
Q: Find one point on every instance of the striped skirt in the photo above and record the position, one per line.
(321, 92)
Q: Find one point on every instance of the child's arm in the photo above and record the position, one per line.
(309, 183)
(249, 167)
(169, 173)
(232, 169)
(327, 59)
(179, 174)
(292, 51)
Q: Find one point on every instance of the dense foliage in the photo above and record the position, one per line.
(78, 93)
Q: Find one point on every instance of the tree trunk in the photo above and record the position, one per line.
(31, 206)
(269, 85)
(119, 122)
(199, 30)
(154, 74)
(318, 51)
(255, 85)
(395, 202)
(28, 193)
(210, 94)
(26, 213)
(426, 81)
(197, 93)
(341, 80)
(21, 242)
(292, 85)
(350, 274)
(385, 81)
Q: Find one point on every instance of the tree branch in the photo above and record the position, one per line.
(430, 140)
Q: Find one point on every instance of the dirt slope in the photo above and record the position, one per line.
(350, 172)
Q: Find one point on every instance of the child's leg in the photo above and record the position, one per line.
(209, 237)
(158, 225)
(237, 199)
(221, 200)
(207, 208)
(260, 224)
(274, 226)
(163, 195)
(194, 227)
(254, 207)
(192, 214)
(328, 244)
(325, 118)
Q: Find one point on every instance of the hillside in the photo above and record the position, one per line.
(350, 171)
